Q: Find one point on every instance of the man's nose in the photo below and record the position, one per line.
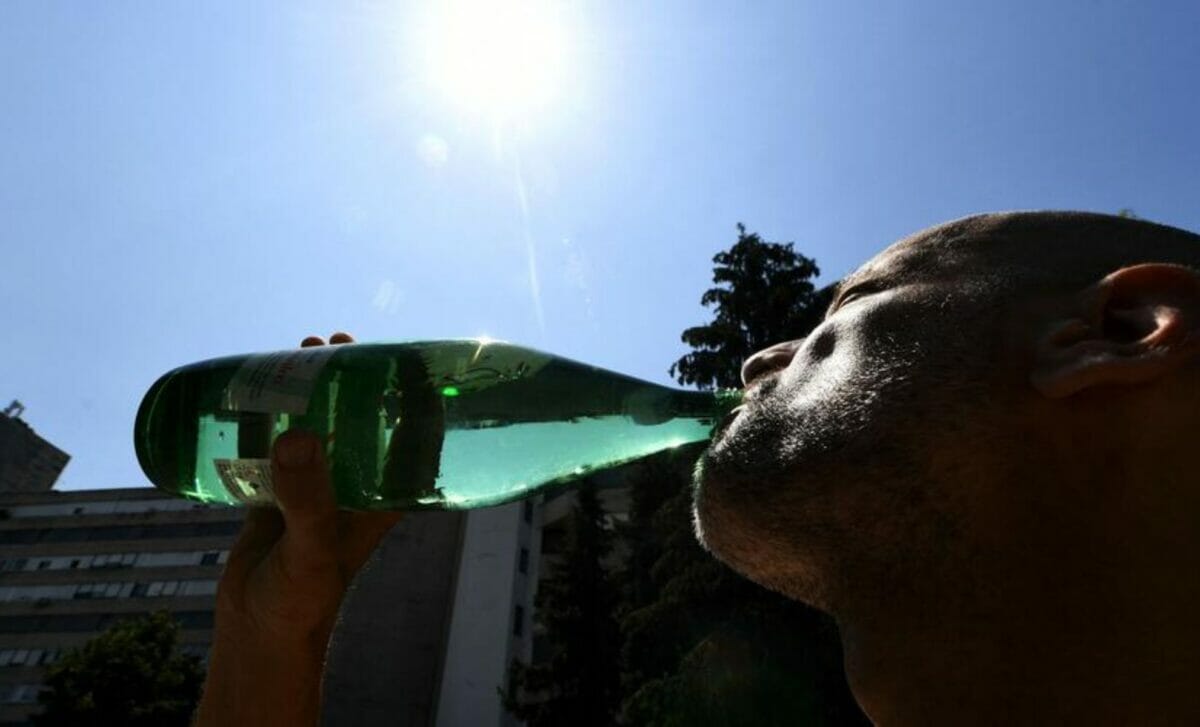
(769, 359)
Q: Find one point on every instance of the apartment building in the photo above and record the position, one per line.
(73, 563)
(424, 638)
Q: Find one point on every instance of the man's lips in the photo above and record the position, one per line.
(759, 388)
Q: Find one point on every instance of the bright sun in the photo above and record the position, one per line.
(501, 58)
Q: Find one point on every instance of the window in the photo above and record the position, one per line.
(170, 587)
(75, 563)
(119, 532)
(155, 589)
(523, 561)
(43, 564)
(210, 558)
(518, 620)
(75, 622)
(139, 590)
(528, 510)
(197, 588)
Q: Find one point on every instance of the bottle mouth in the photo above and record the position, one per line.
(728, 419)
(728, 400)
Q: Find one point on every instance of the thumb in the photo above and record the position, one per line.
(304, 491)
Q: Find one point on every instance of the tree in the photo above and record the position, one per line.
(578, 685)
(710, 648)
(763, 295)
(132, 674)
(648, 646)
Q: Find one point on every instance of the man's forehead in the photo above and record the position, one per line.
(1041, 248)
(936, 252)
(925, 254)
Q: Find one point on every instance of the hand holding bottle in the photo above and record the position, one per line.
(282, 587)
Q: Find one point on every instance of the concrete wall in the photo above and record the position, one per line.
(386, 656)
(481, 635)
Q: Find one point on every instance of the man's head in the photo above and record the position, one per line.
(986, 391)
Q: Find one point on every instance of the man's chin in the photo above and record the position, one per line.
(701, 487)
(742, 521)
(722, 519)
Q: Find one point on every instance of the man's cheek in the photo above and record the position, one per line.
(823, 368)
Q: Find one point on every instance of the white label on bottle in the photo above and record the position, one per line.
(276, 383)
(247, 480)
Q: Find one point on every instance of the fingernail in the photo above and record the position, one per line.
(295, 450)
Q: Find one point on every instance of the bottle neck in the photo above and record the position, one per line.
(705, 404)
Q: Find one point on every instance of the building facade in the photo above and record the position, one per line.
(424, 638)
(73, 563)
(507, 551)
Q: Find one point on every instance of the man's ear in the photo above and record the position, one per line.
(1135, 325)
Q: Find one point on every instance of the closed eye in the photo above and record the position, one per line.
(855, 293)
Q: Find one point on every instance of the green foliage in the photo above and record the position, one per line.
(702, 646)
(132, 675)
(576, 605)
(764, 294)
(650, 633)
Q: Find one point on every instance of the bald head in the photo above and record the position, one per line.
(1030, 251)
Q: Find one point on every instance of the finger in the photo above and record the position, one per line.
(260, 530)
(359, 534)
(341, 337)
(312, 341)
(304, 492)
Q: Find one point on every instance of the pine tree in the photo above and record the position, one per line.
(645, 652)
(576, 605)
(713, 649)
(763, 294)
(133, 674)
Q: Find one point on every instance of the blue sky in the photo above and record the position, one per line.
(185, 180)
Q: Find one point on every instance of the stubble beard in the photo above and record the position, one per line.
(821, 499)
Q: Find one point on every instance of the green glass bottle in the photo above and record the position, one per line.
(423, 425)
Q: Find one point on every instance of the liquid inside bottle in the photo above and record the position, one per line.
(423, 425)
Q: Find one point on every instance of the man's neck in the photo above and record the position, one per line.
(1071, 648)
